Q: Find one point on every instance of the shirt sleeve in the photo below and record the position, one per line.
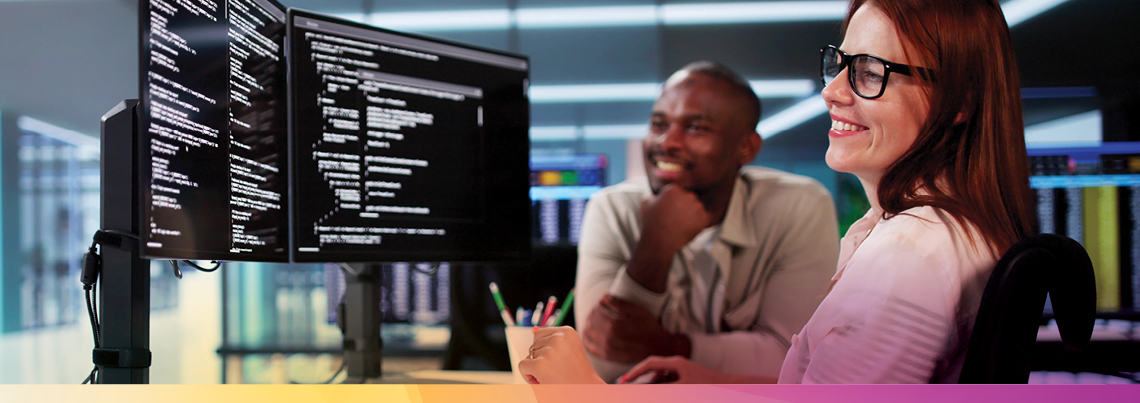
(896, 320)
(740, 352)
(603, 252)
(604, 249)
(806, 262)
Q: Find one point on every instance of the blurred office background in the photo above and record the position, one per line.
(595, 69)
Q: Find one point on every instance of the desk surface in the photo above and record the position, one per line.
(449, 377)
(1047, 334)
(1114, 348)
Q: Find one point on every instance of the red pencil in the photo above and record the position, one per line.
(549, 310)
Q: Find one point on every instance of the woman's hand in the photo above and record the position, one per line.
(676, 369)
(557, 357)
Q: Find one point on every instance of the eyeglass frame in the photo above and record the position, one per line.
(888, 68)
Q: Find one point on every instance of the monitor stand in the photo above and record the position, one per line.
(124, 298)
(361, 317)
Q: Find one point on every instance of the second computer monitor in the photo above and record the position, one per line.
(212, 131)
(405, 147)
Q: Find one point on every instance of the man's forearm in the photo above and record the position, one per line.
(680, 345)
(649, 265)
(749, 379)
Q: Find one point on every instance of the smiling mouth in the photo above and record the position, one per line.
(668, 166)
(837, 125)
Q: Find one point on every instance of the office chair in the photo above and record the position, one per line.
(1005, 331)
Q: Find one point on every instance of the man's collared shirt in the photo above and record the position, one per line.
(775, 254)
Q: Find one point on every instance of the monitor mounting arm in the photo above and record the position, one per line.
(124, 355)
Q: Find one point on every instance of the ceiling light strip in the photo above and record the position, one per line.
(757, 12)
(1018, 11)
(594, 93)
(45, 129)
(792, 116)
(586, 17)
(465, 20)
(580, 17)
(648, 92)
(788, 118)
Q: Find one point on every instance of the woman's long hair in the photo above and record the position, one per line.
(969, 158)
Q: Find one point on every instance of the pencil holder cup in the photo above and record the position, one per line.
(519, 340)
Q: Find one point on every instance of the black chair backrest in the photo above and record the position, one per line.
(1005, 331)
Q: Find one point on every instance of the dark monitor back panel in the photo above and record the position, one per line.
(405, 148)
(213, 148)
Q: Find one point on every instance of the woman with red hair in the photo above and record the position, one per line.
(925, 107)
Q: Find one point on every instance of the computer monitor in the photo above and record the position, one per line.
(1091, 193)
(560, 185)
(405, 147)
(213, 149)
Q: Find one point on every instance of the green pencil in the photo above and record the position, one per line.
(502, 307)
(565, 308)
(498, 298)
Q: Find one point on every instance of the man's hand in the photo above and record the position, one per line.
(673, 218)
(621, 331)
(668, 222)
(681, 370)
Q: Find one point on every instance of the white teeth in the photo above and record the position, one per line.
(668, 166)
(837, 125)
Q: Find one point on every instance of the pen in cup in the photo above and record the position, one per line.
(536, 318)
(549, 310)
(502, 307)
(565, 308)
(550, 321)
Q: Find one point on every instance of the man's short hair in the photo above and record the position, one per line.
(734, 80)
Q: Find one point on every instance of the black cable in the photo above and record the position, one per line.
(114, 238)
(348, 269)
(343, 364)
(94, 334)
(91, 376)
(89, 276)
(216, 263)
(93, 316)
(121, 233)
(95, 309)
(177, 270)
(430, 272)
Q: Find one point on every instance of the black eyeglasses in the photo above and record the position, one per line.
(868, 74)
